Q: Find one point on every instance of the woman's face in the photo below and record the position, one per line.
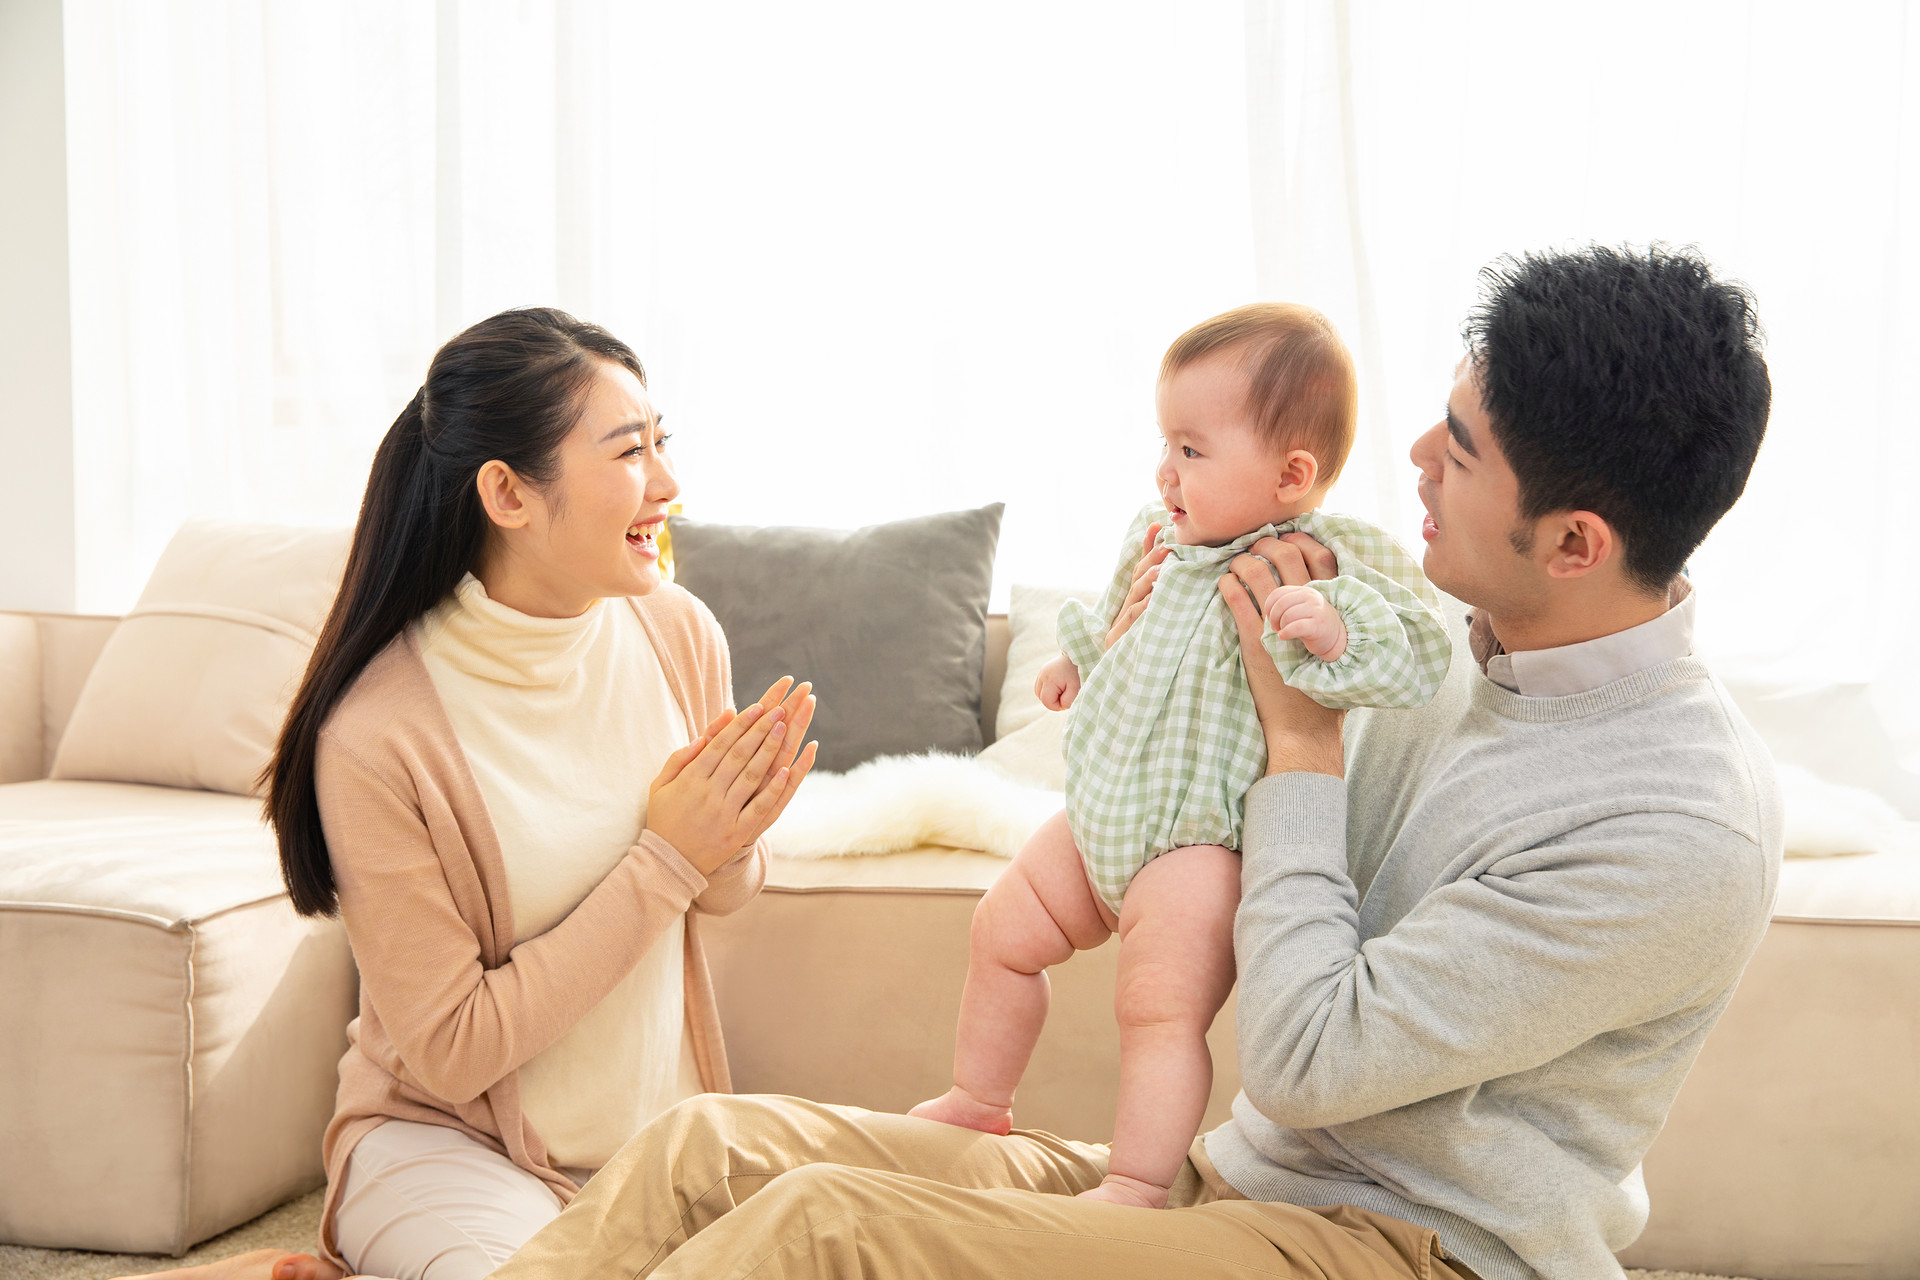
(592, 532)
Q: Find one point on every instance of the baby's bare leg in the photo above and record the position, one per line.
(1176, 968)
(1039, 912)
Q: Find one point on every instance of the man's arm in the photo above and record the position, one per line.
(1602, 928)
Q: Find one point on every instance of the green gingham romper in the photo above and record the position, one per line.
(1162, 742)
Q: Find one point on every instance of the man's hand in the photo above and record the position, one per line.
(1058, 683)
(1302, 736)
(1145, 574)
(1303, 614)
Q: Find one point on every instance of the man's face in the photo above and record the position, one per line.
(1472, 499)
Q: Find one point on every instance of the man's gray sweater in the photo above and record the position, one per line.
(1474, 974)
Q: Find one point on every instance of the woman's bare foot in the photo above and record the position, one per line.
(261, 1264)
(1118, 1188)
(958, 1107)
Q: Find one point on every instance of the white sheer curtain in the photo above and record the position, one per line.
(885, 259)
(878, 259)
(252, 207)
(1397, 148)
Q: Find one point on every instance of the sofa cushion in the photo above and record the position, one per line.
(1033, 640)
(889, 622)
(1028, 743)
(841, 982)
(1864, 888)
(192, 687)
(171, 1028)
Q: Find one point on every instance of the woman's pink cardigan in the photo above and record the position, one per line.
(449, 1008)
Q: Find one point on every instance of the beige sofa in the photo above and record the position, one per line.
(169, 1028)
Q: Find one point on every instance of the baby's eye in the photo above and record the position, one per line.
(1188, 450)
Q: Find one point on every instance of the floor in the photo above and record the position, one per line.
(291, 1226)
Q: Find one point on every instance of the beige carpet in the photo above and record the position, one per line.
(294, 1225)
(291, 1226)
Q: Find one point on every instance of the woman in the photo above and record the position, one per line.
(462, 776)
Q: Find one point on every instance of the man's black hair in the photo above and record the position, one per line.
(1626, 383)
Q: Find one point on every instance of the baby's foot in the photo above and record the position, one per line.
(1118, 1188)
(958, 1107)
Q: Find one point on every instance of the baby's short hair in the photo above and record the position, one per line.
(1301, 387)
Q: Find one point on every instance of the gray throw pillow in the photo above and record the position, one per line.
(889, 622)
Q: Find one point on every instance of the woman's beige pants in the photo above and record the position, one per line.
(722, 1187)
(423, 1202)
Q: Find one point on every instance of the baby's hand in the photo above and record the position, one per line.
(1058, 684)
(1303, 614)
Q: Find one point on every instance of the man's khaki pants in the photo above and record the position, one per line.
(723, 1187)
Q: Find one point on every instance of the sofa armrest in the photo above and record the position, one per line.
(44, 661)
(22, 722)
(70, 644)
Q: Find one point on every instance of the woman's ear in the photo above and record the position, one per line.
(1582, 542)
(1298, 474)
(504, 495)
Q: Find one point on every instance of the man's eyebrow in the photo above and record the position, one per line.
(1458, 430)
(632, 428)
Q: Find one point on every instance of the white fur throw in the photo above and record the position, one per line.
(902, 802)
(1825, 818)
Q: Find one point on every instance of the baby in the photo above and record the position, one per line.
(1257, 408)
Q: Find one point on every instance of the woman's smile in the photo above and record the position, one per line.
(643, 536)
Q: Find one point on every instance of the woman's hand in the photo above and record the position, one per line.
(1302, 736)
(1144, 575)
(720, 792)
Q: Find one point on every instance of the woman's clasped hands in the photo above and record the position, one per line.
(720, 792)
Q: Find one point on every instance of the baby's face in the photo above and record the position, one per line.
(1218, 478)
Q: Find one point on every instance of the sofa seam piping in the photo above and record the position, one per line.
(171, 924)
(180, 1242)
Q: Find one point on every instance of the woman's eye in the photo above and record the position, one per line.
(660, 441)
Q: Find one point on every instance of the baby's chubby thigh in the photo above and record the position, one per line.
(1176, 938)
(1042, 908)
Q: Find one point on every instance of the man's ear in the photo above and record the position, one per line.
(1298, 474)
(504, 495)
(1582, 542)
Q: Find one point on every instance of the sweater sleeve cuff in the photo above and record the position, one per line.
(652, 845)
(1304, 814)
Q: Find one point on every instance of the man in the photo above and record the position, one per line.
(1477, 950)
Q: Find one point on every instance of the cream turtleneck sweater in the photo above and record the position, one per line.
(564, 723)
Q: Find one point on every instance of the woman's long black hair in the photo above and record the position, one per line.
(509, 388)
